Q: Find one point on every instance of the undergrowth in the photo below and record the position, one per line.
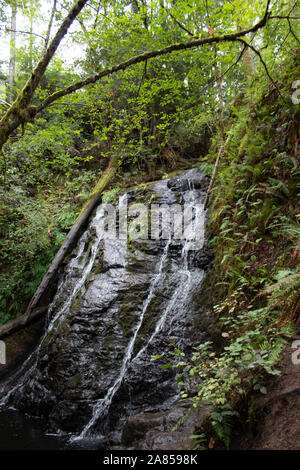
(255, 233)
(32, 229)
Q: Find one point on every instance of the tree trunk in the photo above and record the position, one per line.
(31, 15)
(219, 81)
(215, 170)
(249, 63)
(50, 25)
(12, 54)
(248, 60)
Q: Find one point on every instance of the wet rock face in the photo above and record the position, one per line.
(118, 303)
(183, 184)
(155, 430)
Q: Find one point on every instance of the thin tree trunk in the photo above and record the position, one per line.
(31, 37)
(12, 54)
(92, 49)
(50, 25)
(219, 80)
(248, 60)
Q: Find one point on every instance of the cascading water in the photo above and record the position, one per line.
(118, 302)
(102, 406)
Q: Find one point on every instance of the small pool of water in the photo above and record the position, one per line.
(20, 432)
(23, 432)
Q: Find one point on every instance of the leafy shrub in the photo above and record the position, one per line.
(253, 347)
(31, 231)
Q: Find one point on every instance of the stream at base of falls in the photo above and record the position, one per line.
(119, 302)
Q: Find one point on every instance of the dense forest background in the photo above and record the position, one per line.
(159, 86)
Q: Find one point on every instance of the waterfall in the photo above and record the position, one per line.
(116, 303)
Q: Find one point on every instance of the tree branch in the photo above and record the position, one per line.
(235, 63)
(24, 32)
(284, 17)
(151, 54)
(25, 96)
(262, 61)
(291, 30)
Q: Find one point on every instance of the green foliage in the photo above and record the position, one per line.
(111, 195)
(45, 148)
(31, 231)
(25, 251)
(255, 196)
(284, 293)
(151, 115)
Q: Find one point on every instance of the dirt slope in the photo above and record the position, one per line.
(278, 412)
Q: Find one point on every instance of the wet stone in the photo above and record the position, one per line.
(117, 305)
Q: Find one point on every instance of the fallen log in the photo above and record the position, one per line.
(17, 324)
(46, 289)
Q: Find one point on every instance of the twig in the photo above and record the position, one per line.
(262, 61)
(25, 32)
(292, 32)
(284, 17)
(175, 20)
(235, 63)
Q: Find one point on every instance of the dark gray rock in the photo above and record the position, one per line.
(181, 184)
(155, 431)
